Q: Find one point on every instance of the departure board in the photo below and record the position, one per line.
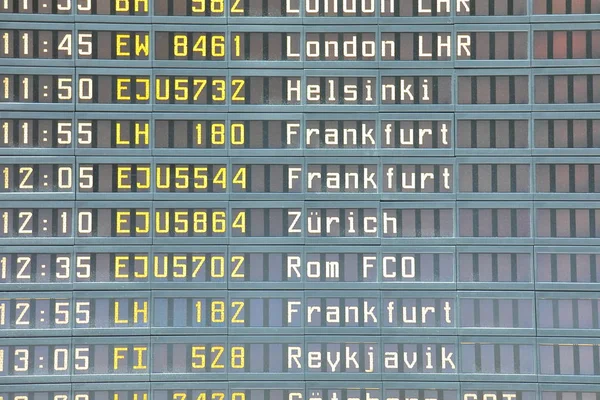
(299, 199)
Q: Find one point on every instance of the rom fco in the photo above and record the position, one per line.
(393, 267)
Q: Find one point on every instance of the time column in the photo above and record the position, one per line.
(38, 180)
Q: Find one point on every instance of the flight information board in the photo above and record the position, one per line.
(299, 199)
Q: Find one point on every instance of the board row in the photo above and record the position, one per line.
(302, 11)
(328, 312)
(265, 90)
(214, 46)
(300, 390)
(299, 358)
(299, 222)
(314, 178)
(301, 134)
(508, 268)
